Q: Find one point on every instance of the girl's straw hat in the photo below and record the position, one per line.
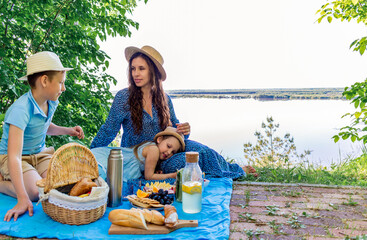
(171, 131)
(153, 54)
(43, 61)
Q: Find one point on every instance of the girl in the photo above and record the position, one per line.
(142, 159)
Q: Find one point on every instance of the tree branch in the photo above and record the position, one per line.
(49, 29)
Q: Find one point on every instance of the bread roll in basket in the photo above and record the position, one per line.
(70, 163)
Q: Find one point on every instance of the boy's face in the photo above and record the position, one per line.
(167, 147)
(55, 86)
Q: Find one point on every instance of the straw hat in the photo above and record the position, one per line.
(171, 131)
(43, 61)
(153, 54)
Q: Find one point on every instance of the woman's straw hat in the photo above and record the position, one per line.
(153, 54)
(43, 61)
(171, 131)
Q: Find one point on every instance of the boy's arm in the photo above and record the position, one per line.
(53, 129)
(151, 154)
(15, 146)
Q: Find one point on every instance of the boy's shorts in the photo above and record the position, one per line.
(38, 162)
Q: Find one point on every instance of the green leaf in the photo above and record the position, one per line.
(329, 19)
(362, 49)
(355, 1)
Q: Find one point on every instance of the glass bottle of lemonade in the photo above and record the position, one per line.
(192, 181)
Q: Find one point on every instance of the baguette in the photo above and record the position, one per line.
(128, 218)
(151, 216)
(171, 217)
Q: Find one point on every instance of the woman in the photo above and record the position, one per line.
(143, 110)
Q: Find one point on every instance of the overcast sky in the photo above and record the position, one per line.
(216, 44)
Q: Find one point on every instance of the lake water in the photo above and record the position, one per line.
(226, 124)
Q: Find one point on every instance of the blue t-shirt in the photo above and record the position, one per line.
(25, 114)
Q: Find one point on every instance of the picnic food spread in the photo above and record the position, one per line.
(73, 193)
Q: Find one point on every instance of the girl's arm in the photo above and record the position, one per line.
(151, 154)
(15, 146)
(53, 129)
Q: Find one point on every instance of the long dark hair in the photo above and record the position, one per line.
(159, 99)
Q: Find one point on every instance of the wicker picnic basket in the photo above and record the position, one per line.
(68, 165)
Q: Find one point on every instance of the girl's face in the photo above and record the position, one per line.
(55, 86)
(140, 72)
(167, 147)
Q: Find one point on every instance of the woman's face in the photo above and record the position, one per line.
(140, 72)
(167, 147)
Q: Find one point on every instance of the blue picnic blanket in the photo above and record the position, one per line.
(213, 220)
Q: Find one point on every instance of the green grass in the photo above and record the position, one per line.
(349, 172)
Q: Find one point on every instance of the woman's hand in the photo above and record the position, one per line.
(183, 128)
(77, 131)
(22, 206)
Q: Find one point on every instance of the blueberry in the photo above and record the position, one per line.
(160, 191)
(166, 192)
(161, 201)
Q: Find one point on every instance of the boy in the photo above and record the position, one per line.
(23, 156)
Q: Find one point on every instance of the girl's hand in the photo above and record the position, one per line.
(183, 128)
(77, 131)
(22, 206)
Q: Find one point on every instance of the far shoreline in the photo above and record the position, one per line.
(267, 94)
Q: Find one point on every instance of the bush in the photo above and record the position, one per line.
(271, 150)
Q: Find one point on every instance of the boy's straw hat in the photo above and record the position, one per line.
(171, 131)
(43, 61)
(153, 54)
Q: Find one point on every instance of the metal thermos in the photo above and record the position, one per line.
(114, 177)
